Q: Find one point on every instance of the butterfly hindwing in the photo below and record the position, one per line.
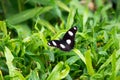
(61, 44)
(67, 43)
(54, 43)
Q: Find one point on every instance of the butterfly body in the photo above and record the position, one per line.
(67, 43)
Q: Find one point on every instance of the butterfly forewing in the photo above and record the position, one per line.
(70, 34)
(67, 43)
(69, 38)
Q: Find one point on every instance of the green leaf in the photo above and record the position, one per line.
(118, 61)
(105, 64)
(16, 75)
(62, 5)
(113, 75)
(23, 30)
(108, 44)
(3, 27)
(85, 18)
(72, 60)
(89, 62)
(1, 75)
(57, 73)
(47, 24)
(25, 15)
(80, 55)
(34, 75)
(70, 18)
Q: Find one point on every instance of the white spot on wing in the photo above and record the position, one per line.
(70, 33)
(75, 28)
(68, 41)
(49, 44)
(62, 46)
(54, 43)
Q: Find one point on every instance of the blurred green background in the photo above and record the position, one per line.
(26, 26)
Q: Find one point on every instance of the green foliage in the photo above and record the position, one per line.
(27, 25)
(57, 73)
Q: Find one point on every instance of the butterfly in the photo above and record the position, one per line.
(67, 42)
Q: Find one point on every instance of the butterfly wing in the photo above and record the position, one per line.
(67, 43)
(54, 43)
(70, 34)
(61, 44)
(69, 37)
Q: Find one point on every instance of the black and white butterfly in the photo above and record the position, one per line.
(67, 42)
